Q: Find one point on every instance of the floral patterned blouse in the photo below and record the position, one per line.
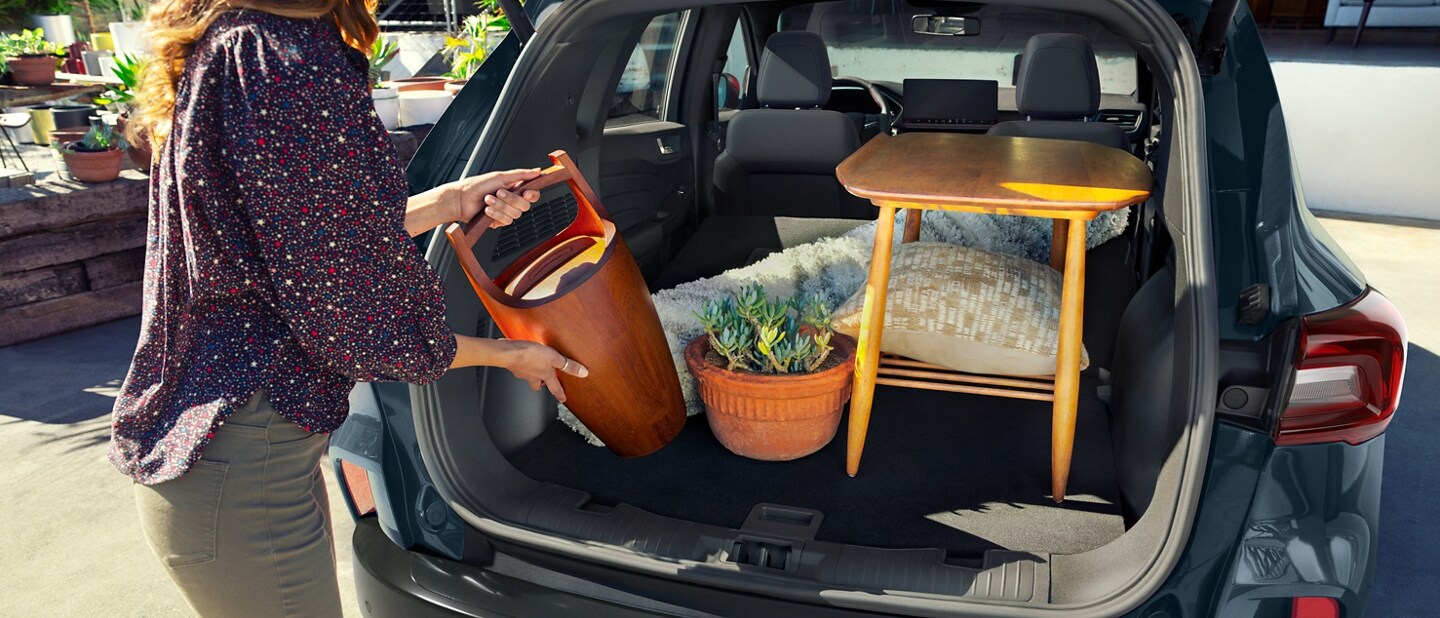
(277, 256)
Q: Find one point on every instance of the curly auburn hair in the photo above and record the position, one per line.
(175, 26)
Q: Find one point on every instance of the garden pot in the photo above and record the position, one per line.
(67, 116)
(103, 166)
(128, 37)
(139, 151)
(409, 84)
(773, 417)
(34, 70)
(453, 86)
(21, 134)
(42, 122)
(419, 107)
(387, 106)
(58, 28)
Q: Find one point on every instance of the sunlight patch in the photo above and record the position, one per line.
(109, 389)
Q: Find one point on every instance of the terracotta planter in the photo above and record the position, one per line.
(33, 70)
(409, 84)
(139, 151)
(773, 417)
(453, 86)
(94, 166)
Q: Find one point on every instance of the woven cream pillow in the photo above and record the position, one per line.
(968, 310)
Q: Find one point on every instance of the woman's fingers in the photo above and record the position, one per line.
(505, 179)
(535, 385)
(572, 367)
(505, 207)
(553, 383)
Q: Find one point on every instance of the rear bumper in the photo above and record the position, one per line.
(391, 581)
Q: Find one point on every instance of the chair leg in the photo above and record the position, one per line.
(1360, 27)
(16, 150)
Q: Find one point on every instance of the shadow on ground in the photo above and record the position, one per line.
(1410, 497)
(68, 378)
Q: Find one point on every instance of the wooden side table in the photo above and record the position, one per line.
(1057, 179)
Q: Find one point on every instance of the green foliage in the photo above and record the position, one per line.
(128, 68)
(467, 48)
(50, 7)
(380, 55)
(762, 335)
(99, 138)
(27, 43)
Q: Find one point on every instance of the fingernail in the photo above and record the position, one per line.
(490, 199)
(503, 193)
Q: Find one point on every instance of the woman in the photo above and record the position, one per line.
(279, 270)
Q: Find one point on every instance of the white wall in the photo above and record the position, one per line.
(1366, 138)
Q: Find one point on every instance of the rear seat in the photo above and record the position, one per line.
(780, 160)
(1058, 90)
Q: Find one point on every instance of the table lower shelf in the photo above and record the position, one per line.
(904, 372)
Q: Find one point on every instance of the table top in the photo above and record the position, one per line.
(993, 174)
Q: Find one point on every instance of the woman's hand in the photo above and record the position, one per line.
(463, 199)
(492, 193)
(535, 363)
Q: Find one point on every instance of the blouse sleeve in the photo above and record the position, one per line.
(326, 199)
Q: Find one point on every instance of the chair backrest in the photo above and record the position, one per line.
(1058, 89)
(780, 160)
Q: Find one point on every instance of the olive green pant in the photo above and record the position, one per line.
(246, 532)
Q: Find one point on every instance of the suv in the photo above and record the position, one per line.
(1231, 429)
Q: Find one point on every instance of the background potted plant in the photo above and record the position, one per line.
(468, 47)
(386, 98)
(773, 375)
(97, 156)
(128, 69)
(30, 58)
(52, 17)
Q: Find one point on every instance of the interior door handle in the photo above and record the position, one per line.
(666, 149)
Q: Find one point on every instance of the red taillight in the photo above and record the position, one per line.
(1347, 379)
(1314, 607)
(357, 483)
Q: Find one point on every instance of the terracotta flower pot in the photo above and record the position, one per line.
(409, 84)
(773, 417)
(33, 70)
(94, 166)
(453, 86)
(139, 151)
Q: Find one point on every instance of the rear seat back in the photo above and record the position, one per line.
(780, 160)
(1058, 90)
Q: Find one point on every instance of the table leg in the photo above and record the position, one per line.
(1059, 229)
(912, 225)
(872, 327)
(1067, 365)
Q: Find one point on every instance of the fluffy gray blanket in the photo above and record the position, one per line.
(837, 268)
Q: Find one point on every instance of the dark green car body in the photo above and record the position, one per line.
(1269, 520)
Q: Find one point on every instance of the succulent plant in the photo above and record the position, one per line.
(758, 334)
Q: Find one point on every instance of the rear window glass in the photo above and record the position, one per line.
(874, 40)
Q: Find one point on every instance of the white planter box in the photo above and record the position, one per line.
(419, 107)
(129, 37)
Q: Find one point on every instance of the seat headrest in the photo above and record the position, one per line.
(794, 71)
(1058, 77)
